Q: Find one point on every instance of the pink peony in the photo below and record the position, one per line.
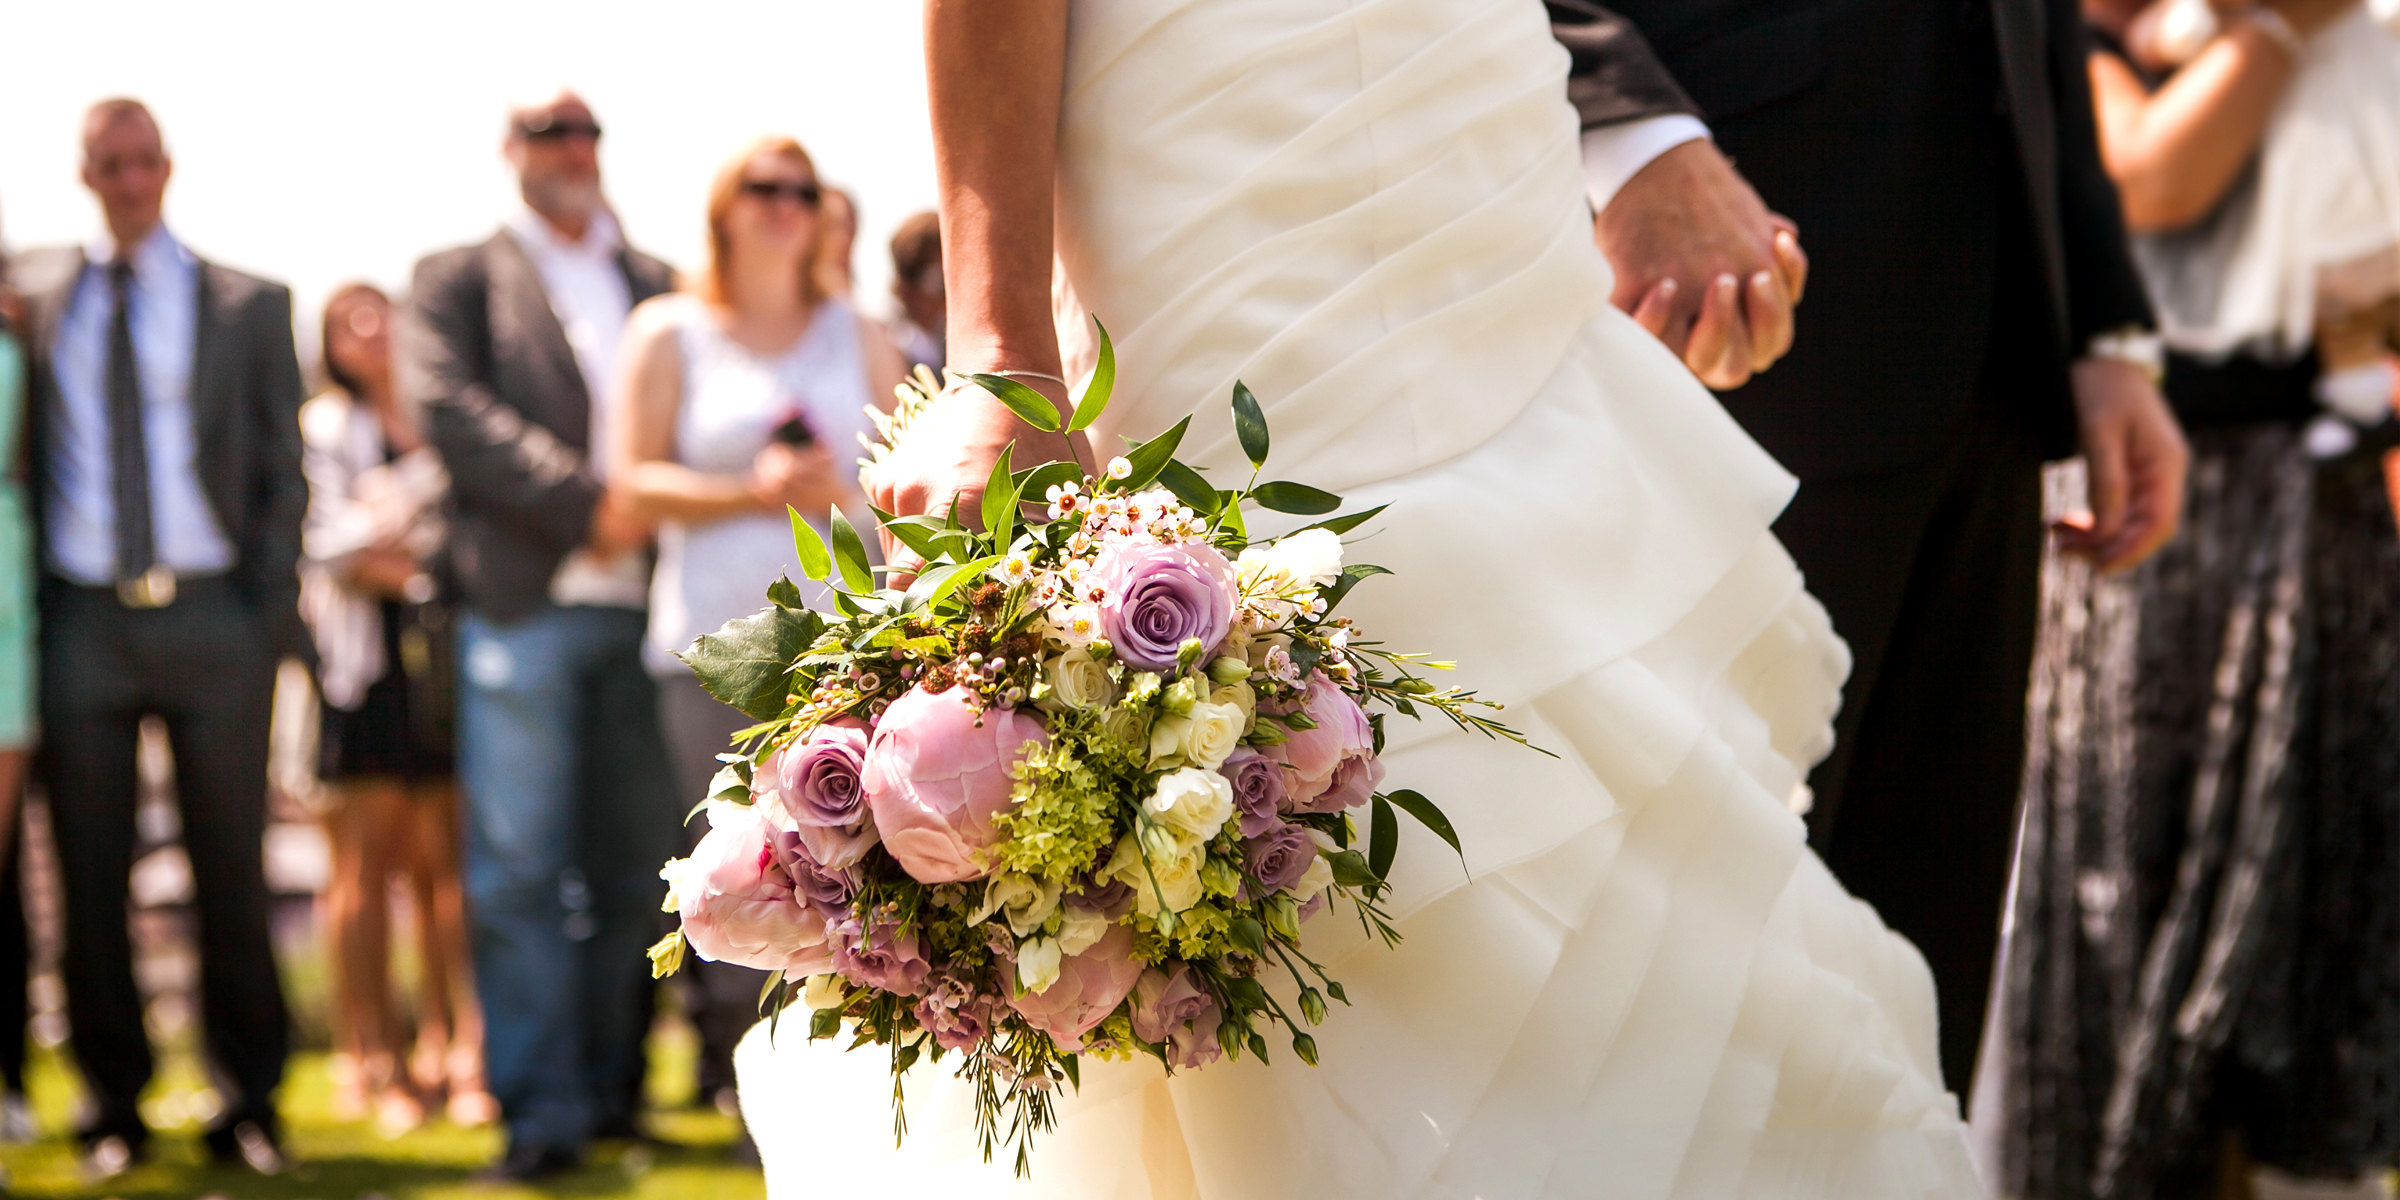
(1090, 986)
(816, 779)
(737, 901)
(1312, 757)
(937, 773)
(1171, 1007)
(1160, 596)
(1354, 783)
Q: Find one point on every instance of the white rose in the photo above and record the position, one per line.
(1079, 929)
(1081, 681)
(1312, 556)
(1316, 878)
(1126, 726)
(1023, 901)
(1174, 877)
(1241, 696)
(1037, 964)
(1214, 731)
(1193, 802)
(822, 992)
(1167, 737)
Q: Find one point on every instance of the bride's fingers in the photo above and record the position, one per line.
(1657, 308)
(1793, 262)
(1719, 352)
(1770, 321)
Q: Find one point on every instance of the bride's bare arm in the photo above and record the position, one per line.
(995, 70)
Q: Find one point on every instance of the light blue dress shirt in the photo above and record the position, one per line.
(81, 511)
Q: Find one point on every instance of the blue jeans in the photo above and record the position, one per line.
(570, 812)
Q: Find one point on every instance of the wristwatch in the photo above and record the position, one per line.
(2133, 344)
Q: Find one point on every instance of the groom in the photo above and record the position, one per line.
(1974, 312)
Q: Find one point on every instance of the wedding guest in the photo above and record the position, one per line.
(2208, 890)
(384, 670)
(742, 395)
(19, 724)
(917, 286)
(840, 217)
(511, 347)
(167, 399)
(1976, 312)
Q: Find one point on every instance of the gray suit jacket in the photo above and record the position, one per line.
(508, 408)
(245, 397)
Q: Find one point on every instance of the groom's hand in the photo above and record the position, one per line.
(2135, 457)
(1703, 265)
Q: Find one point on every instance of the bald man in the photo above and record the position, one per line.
(166, 471)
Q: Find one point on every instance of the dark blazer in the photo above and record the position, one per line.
(1942, 162)
(508, 408)
(245, 396)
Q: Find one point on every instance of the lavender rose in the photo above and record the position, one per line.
(1354, 783)
(1160, 596)
(817, 779)
(1278, 858)
(1258, 792)
(937, 773)
(1171, 1007)
(1090, 985)
(1312, 756)
(828, 890)
(883, 955)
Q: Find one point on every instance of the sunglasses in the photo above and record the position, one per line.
(806, 195)
(546, 131)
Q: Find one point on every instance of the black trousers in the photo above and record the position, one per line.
(1931, 572)
(205, 666)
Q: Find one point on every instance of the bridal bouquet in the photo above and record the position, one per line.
(1074, 789)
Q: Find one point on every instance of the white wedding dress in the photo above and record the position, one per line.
(1371, 211)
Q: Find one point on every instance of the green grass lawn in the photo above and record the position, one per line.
(351, 1161)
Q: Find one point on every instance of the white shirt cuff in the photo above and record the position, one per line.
(1613, 154)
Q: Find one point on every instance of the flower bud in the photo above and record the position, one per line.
(1306, 1047)
(1143, 689)
(1312, 1006)
(1101, 649)
(1188, 653)
(1283, 916)
(1181, 695)
(1228, 670)
(1220, 878)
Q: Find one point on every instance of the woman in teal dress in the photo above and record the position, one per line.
(17, 721)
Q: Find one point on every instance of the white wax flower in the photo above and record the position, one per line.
(1037, 964)
(1021, 900)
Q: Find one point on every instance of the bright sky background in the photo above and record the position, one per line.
(321, 142)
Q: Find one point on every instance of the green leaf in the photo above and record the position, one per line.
(826, 1023)
(784, 592)
(1350, 869)
(1092, 399)
(1288, 497)
(1034, 407)
(917, 533)
(850, 555)
(1339, 588)
(1034, 486)
(966, 573)
(1349, 521)
(1430, 816)
(747, 664)
(1000, 500)
(810, 548)
(1383, 839)
(730, 781)
(1151, 457)
(1069, 1063)
(1189, 487)
(1249, 424)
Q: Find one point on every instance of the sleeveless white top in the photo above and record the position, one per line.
(1372, 212)
(733, 399)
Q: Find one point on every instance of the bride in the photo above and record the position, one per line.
(1371, 212)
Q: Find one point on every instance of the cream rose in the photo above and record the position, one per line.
(1037, 965)
(1126, 725)
(1204, 738)
(1021, 900)
(1241, 696)
(1079, 680)
(1171, 878)
(1079, 928)
(1193, 802)
(1311, 556)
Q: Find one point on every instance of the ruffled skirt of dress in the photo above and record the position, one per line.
(1371, 211)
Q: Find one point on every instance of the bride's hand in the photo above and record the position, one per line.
(947, 457)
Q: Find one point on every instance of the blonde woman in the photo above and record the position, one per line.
(742, 395)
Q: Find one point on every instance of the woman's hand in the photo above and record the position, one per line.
(381, 571)
(803, 477)
(2309, 16)
(948, 454)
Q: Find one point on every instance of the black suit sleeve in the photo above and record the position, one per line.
(2104, 290)
(279, 491)
(1616, 77)
(502, 466)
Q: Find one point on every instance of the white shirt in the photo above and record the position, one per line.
(586, 287)
(81, 517)
(1613, 154)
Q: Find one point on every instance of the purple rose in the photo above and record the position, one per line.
(828, 890)
(818, 781)
(1160, 596)
(1171, 1007)
(1112, 899)
(882, 954)
(1311, 757)
(955, 1015)
(1278, 858)
(1258, 792)
(1354, 783)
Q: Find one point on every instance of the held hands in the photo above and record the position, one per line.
(948, 455)
(616, 527)
(1703, 265)
(2135, 457)
(803, 477)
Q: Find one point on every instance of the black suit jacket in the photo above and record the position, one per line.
(1942, 162)
(508, 408)
(245, 397)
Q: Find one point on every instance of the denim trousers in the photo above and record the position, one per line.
(570, 813)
